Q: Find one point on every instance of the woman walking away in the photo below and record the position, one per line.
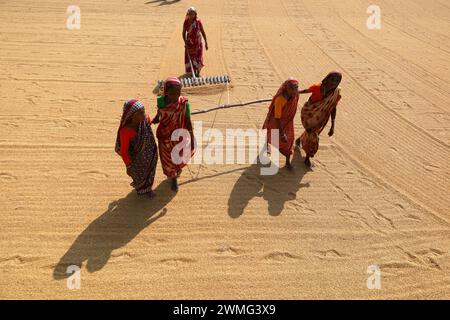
(192, 36)
(281, 115)
(173, 113)
(316, 112)
(136, 144)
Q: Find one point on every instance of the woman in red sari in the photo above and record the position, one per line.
(317, 111)
(281, 115)
(192, 36)
(173, 113)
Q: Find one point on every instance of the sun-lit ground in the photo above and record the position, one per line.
(377, 194)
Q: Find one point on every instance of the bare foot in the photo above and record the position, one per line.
(308, 162)
(174, 184)
(288, 164)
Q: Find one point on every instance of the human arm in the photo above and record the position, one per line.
(202, 30)
(189, 125)
(333, 118)
(125, 136)
(191, 131)
(156, 118)
(280, 102)
(184, 34)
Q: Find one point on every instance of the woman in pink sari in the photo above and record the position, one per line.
(316, 112)
(192, 36)
(281, 115)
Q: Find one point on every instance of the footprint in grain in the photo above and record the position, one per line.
(302, 207)
(368, 182)
(121, 256)
(94, 175)
(278, 256)
(431, 167)
(176, 262)
(404, 212)
(66, 123)
(11, 125)
(7, 177)
(429, 256)
(329, 254)
(18, 260)
(396, 265)
(227, 251)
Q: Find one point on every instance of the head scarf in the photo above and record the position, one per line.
(281, 91)
(334, 75)
(283, 88)
(292, 80)
(286, 120)
(190, 10)
(171, 81)
(129, 109)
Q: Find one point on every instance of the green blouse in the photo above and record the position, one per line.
(161, 104)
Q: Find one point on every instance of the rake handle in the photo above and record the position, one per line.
(226, 106)
(190, 61)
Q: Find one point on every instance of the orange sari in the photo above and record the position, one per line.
(287, 120)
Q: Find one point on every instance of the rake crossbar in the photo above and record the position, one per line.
(201, 81)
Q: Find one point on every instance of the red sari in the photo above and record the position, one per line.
(287, 120)
(194, 45)
(315, 117)
(172, 117)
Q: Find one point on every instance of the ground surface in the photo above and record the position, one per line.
(378, 193)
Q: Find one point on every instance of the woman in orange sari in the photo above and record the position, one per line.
(317, 111)
(192, 35)
(281, 115)
(174, 113)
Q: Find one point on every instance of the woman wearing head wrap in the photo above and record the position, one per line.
(192, 36)
(173, 113)
(136, 145)
(316, 112)
(281, 115)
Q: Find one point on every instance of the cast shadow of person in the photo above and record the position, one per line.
(118, 225)
(275, 189)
